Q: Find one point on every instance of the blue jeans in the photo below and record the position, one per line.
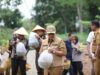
(70, 71)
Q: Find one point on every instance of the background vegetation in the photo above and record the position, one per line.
(69, 16)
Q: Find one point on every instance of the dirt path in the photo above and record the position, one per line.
(31, 61)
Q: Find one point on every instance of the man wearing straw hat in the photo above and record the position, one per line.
(40, 31)
(16, 60)
(56, 46)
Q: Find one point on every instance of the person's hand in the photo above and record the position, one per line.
(17, 41)
(65, 59)
(51, 50)
(37, 36)
(91, 55)
(94, 58)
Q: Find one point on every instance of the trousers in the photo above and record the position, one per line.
(18, 63)
(77, 68)
(97, 66)
(39, 70)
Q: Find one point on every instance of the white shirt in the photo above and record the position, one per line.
(90, 39)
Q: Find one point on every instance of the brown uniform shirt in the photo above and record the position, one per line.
(56, 44)
(96, 40)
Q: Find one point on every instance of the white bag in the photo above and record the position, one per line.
(45, 59)
(33, 41)
(1, 59)
(20, 49)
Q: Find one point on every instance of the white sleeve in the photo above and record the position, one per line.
(90, 37)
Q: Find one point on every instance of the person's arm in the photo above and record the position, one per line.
(88, 46)
(41, 48)
(97, 53)
(76, 46)
(89, 41)
(61, 51)
(10, 46)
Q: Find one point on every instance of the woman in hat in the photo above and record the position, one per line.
(40, 32)
(19, 61)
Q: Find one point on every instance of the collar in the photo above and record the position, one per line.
(51, 40)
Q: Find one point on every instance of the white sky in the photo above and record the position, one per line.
(26, 8)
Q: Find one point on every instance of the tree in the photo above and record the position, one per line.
(66, 11)
(93, 8)
(9, 13)
(49, 11)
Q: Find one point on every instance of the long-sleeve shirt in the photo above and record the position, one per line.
(69, 49)
(56, 44)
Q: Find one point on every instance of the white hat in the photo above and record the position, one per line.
(21, 31)
(38, 28)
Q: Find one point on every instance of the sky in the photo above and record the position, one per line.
(26, 7)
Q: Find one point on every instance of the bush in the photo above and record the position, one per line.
(5, 34)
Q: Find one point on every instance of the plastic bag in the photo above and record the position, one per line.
(3, 63)
(45, 59)
(20, 49)
(33, 41)
(1, 60)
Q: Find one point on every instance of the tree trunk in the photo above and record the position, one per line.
(79, 12)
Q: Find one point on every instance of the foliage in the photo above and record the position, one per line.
(9, 13)
(29, 24)
(5, 34)
(49, 11)
(93, 6)
(65, 12)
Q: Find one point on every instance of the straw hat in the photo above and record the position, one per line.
(21, 31)
(38, 28)
(51, 29)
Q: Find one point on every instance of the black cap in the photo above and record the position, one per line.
(96, 23)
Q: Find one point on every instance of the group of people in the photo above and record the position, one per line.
(68, 50)
(62, 51)
(74, 54)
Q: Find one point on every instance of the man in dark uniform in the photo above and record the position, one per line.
(69, 54)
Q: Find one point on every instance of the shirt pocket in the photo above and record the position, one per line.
(45, 47)
(55, 46)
